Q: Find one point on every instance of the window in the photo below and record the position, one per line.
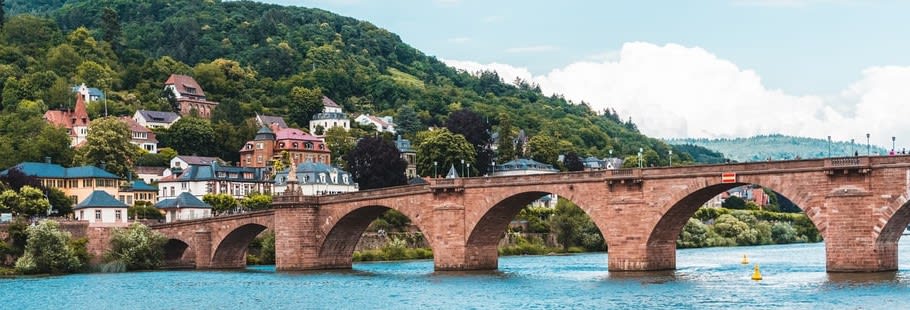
(295, 145)
(97, 214)
(308, 146)
(117, 215)
(322, 178)
(345, 178)
(259, 145)
(172, 191)
(190, 90)
(183, 185)
(249, 159)
(321, 146)
(82, 214)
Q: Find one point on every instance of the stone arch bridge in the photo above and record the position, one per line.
(858, 204)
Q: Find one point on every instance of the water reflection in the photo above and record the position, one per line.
(862, 278)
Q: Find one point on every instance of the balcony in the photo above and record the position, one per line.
(330, 116)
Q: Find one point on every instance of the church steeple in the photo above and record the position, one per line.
(80, 116)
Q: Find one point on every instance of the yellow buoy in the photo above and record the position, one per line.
(756, 275)
(745, 260)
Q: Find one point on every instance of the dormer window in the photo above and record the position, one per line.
(308, 146)
(295, 145)
(322, 146)
(190, 90)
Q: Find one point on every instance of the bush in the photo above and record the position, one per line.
(694, 235)
(48, 250)
(783, 232)
(137, 247)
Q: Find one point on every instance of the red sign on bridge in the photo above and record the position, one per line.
(728, 177)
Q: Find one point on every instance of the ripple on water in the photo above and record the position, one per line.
(794, 277)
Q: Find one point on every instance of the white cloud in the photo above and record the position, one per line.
(459, 40)
(676, 91)
(532, 49)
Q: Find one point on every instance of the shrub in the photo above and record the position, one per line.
(783, 232)
(137, 247)
(48, 250)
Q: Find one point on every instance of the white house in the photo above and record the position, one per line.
(382, 124)
(331, 116)
(183, 161)
(102, 208)
(315, 179)
(212, 178)
(150, 174)
(155, 119)
(184, 207)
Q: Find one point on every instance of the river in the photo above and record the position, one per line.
(794, 277)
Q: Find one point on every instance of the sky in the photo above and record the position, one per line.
(701, 68)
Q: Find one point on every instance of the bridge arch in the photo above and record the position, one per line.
(681, 205)
(344, 229)
(230, 251)
(892, 221)
(178, 253)
(486, 229)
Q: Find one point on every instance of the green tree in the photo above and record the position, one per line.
(543, 148)
(256, 201)
(64, 59)
(573, 163)
(191, 136)
(445, 149)
(144, 210)
(304, 104)
(48, 250)
(734, 202)
(138, 247)
(29, 201)
(406, 121)
(96, 75)
(506, 143)
(220, 202)
(694, 235)
(477, 131)
(341, 142)
(108, 143)
(376, 163)
(110, 23)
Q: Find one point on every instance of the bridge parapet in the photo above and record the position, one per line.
(847, 165)
(447, 185)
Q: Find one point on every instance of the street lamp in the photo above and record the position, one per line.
(829, 146)
(671, 157)
(641, 162)
(462, 167)
(469, 170)
(493, 164)
(611, 153)
(892, 143)
(435, 174)
(868, 146)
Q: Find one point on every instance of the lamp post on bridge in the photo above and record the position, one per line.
(671, 157)
(462, 167)
(640, 160)
(893, 138)
(435, 174)
(469, 170)
(493, 166)
(868, 146)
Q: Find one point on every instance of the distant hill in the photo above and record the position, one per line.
(778, 147)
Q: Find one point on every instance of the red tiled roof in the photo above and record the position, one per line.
(69, 119)
(181, 82)
(326, 101)
(294, 134)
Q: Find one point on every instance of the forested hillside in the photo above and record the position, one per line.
(267, 59)
(779, 147)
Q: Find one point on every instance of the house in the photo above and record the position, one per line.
(184, 207)
(268, 120)
(409, 155)
(592, 163)
(76, 182)
(522, 166)
(189, 96)
(182, 162)
(331, 116)
(141, 136)
(137, 191)
(155, 119)
(271, 144)
(89, 94)
(101, 208)
(316, 179)
(214, 178)
(76, 121)
(149, 174)
(382, 124)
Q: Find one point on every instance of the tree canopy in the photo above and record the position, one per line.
(376, 163)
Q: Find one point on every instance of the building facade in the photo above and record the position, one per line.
(76, 182)
(184, 207)
(331, 116)
(409, 155)
(215, 178)
(141, 136)
(522, 166)
(316, 179)
(155, 119)
(101, 208)
(382, 124)
(189, 96)
(75, 121)
(272, 143)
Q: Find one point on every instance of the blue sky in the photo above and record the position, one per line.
(827, 57)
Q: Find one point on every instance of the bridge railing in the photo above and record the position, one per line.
(847, 162)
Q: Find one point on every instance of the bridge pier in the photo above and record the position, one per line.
(296, 246)
(203, 248)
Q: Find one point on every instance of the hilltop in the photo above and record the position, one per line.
(778, 147)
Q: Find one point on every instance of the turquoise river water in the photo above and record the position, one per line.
(794, 277)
